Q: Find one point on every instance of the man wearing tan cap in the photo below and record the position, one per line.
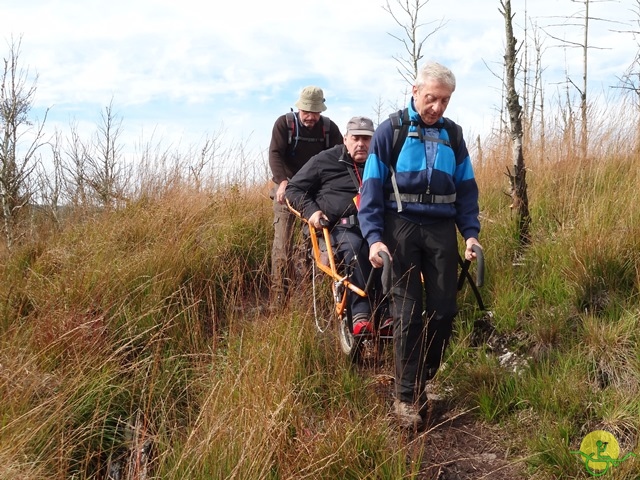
(327, 188)
(296, 137)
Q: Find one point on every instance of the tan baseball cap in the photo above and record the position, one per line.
(360, 126)
(311, 100)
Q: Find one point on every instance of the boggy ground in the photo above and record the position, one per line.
(454, 445)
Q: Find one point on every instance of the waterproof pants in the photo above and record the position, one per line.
(430, 253)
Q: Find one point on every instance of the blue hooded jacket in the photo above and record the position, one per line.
(422, 167)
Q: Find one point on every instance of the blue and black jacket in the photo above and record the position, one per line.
(424, 170)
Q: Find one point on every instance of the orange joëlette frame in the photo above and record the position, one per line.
(331, 269)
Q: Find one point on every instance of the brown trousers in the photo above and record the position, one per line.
(289, 262)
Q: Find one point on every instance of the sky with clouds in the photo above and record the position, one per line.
(180, 71)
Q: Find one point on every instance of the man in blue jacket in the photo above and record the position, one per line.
(410, 208)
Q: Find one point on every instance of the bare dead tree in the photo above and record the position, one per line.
(531, 71)
(50, 182)
(527, 108)
(568, 116)
(104, 170)
(531, 66)
(517, 178)
(18, 158)
(74, 166)
(629, 82)
(479, 152)
(207, 156)
(406, 14)
(582, 20)
(378, 110)
(538, 91)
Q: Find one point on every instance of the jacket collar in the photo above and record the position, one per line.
(345, 157)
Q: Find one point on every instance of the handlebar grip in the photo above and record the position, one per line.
(386, 272)
(477, 249)
(385, 277)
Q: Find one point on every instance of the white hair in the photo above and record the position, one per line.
(438, 72)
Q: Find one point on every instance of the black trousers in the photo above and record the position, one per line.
(353, 251)
(424, 278)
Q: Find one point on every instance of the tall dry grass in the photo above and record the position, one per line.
(571, 310)
(135, 343)
(108, 323)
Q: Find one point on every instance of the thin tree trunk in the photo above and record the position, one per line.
(520, 201)
(583, 96)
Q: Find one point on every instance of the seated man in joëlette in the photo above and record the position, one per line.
(327, 188)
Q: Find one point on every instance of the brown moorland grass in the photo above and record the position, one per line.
(134, 342)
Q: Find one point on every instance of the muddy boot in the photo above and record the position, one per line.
(407, 415)
(278, 300)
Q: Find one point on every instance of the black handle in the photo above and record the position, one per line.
(386, 274)
(477, 249)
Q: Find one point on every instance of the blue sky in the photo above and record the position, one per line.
(179, 71)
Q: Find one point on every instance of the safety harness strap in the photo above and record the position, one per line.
(350, 220)
(422, 198)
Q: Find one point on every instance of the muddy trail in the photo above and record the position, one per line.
(454, 444)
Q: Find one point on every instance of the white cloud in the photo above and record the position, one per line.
(182, 69)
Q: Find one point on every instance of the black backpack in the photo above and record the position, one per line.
(294, 131)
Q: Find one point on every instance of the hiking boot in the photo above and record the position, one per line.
(431, 393)
(361, 324)
(407, 415)
(432, 404)
(277, 299)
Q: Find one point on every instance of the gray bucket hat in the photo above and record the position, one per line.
(311, 100)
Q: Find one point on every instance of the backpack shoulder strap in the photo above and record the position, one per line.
(326, 131)
(400, 123)
(291, 125)
(455, 133)
(293, 133)
(350, 168)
